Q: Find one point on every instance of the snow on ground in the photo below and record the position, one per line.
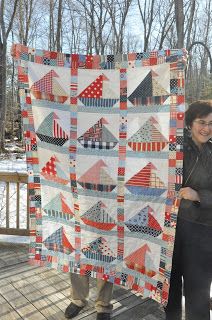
(13, 165)
(14, 160)
(14, 239)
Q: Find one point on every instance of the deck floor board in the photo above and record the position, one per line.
(34, 293)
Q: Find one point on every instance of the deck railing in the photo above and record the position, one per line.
(17, 179)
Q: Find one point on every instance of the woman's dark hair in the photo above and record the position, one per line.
(197, 109)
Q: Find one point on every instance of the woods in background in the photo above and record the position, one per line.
(103, 27)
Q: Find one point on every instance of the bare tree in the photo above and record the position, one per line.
(51, 24)
(200, 55)
(55, 24)
(24, 16)
(185, 12)
(59, 26)
(118, 11)
(24, 22)
(94, 27)
(78, 26)
(5, 29)
(101, 36)
(90, 23)
(148, 12)
(74, 32)
(179, 17)
(190, 22)
(108, 27)
(165, 22)
(29, 23)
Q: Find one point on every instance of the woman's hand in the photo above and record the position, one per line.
(189, 194)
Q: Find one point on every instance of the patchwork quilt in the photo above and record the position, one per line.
(103, 137)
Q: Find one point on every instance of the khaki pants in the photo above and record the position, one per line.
(80, 292)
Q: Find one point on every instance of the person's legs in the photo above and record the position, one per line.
(79, 294)
(173, 309)
(197, 295)
(79, 289)
(198, 273)
(104, 296)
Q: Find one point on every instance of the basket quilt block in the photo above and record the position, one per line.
(104, 139)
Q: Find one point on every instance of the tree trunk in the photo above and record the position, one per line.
(12, 95)
(51, 25)
(59, 26)
(179, 16)
(190, 22)
(4, 33)
(3, 50)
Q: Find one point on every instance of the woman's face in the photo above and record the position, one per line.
(201, 130)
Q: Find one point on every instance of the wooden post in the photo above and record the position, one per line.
(17, 205)
(7, 205)
(16, 178)
(27, 207)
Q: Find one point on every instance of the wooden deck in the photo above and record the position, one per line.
(36, 293)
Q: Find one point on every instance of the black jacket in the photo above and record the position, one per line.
(197, 174)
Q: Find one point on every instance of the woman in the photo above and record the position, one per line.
(192, 258)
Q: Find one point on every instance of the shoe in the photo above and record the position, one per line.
(72, 310)
(103, 316)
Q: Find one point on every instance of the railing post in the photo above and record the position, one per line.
(7, 204)
(17, 179)
(17, 205)
(27, 207)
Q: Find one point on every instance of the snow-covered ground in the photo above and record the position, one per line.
(14, 160)
(14, 239)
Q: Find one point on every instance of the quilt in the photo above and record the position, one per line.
(104, 138)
